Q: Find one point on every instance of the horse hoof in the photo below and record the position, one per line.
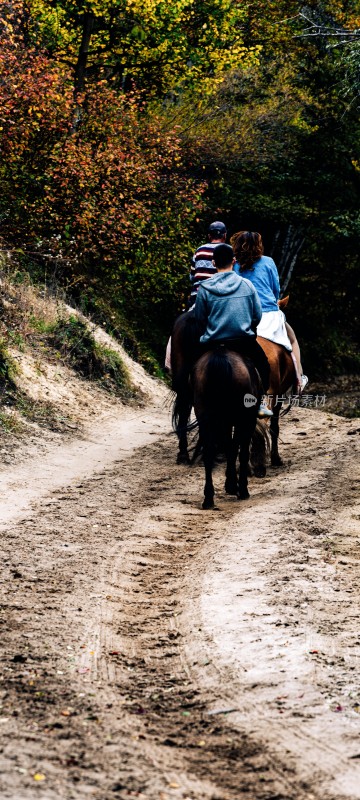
(276, 461)
(230, 487)
(243, 495)
(183, 458)
(207, 504)
(259, 472)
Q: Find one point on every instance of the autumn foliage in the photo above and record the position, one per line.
(92, 180)
(127, 125)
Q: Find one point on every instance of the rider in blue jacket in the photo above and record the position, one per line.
(228, 308)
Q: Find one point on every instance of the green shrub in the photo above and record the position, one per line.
(7, 371)
(10, 424)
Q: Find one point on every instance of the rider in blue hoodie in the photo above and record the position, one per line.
(228, 310)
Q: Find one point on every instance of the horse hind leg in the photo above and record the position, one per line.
(276, 460)
(183, 453)
(209, 451)
(243, 493)
(209, 492)
(231, 482)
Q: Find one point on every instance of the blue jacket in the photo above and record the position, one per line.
(227, 307)
(264, 276)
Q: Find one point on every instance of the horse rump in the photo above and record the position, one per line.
(214, 374)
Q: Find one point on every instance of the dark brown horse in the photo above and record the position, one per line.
(227, 393)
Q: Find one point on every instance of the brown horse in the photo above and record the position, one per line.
(282, 378)
(227, 393)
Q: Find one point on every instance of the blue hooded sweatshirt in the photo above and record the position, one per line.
(227, 307)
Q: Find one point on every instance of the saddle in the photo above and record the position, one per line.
(239, 345)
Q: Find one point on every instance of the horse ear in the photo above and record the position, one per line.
(284, 301)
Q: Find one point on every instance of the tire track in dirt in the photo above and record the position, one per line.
(172, 706)
(282, 633)
(102, 602)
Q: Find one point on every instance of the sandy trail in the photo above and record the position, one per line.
(280, 614)
(133, 622)
(108, 440)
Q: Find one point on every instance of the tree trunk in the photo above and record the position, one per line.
(80, 69)
(287, 257)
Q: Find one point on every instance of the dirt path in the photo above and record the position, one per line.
(153, 650)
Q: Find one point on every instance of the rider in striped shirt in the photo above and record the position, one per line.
(202, 261)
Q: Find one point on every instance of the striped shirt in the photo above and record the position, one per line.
(201, 267)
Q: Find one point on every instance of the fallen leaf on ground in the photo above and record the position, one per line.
(39, 776)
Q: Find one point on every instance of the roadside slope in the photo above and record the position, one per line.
(63, 378)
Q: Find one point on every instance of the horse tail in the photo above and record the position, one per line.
(260, 448)
(181, 411)
(218, 379)
(261, 436)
